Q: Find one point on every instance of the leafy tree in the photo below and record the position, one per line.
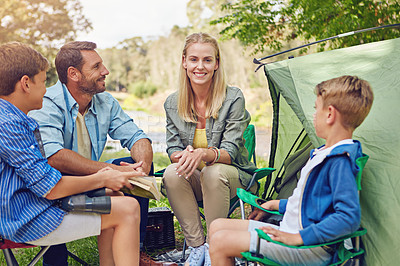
(127, 63)
(44, 24)
(201, 12)
(272, 23)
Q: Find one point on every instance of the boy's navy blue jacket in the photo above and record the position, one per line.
(330, 206)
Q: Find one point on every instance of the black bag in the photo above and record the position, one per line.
(160, 231)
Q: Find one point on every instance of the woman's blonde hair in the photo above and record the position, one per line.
(186, 108)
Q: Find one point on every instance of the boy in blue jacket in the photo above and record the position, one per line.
(325, 204)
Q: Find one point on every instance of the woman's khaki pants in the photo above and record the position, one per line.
(215, 185)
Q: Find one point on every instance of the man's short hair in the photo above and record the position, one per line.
(70, 55)
(16, 60)
(350, 95)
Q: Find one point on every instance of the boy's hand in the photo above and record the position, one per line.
(272, 205)
(115, 180)
(258, 214)
(109, 192)
(285, 238)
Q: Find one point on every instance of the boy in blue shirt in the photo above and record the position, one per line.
(29, 186)
(325, 204)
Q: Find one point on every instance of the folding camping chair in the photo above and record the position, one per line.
(249, 136)
(6, 246)
(342, 253)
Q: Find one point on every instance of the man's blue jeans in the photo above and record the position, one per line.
(57, 255)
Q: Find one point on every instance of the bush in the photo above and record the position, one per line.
(142, 89)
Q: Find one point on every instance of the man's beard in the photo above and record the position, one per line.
(91, 87)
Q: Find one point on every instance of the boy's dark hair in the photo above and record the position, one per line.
(350, 95)
(16, 60)
(70, 55)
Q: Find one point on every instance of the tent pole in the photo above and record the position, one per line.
(258, 61)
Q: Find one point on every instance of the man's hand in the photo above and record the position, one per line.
(258, 214)
(136, 166)
(143, 152)
(128, 167)
(285, 238)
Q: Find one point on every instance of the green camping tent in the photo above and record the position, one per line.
(291, 85)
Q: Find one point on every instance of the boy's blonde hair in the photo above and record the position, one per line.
(16, 60)
(350, 95)
(186, 108)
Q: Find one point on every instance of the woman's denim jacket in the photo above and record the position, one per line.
(225, 132)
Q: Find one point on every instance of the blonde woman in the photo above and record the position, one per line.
(206, 119)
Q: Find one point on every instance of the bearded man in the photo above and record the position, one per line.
(77, 116)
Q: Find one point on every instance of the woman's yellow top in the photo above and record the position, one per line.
(200, 141)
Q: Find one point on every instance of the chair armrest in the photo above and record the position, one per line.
(359, 232)
(258, 174)
(84, 203)
(253, 200)
(261, 172)
(159, 173)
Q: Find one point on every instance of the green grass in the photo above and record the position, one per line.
(86, 249)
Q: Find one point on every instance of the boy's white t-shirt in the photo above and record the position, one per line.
(291, 220)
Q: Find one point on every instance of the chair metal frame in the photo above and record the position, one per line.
(12, 261)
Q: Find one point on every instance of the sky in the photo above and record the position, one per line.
(116, 20)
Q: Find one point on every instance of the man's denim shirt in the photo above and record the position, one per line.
(225, 132)
(105, 116)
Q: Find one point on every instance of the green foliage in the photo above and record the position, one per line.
(85, 249)
(163, 202)
(254, 22)
(200, 12)
(142, 89)
(323, 19)
(270, 24)
(258, 116)
(42, 24)
(160, 161)
(128, 62)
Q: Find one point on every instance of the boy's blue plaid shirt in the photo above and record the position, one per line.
(25, 176)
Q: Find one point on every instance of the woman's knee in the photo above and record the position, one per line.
(214, 176)
(213, 170)
(170, 178)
